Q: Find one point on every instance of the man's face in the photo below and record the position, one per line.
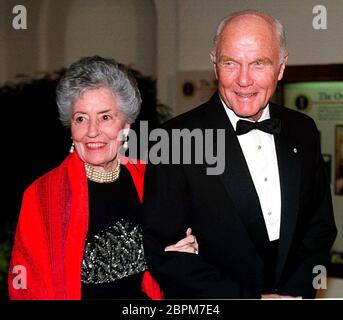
(248, 65)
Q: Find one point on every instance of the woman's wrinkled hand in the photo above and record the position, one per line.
(188, 244)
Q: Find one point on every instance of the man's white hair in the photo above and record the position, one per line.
(278, 27)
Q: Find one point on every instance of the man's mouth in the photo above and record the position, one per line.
(246, 95)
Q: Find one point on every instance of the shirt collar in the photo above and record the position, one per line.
(234, 118)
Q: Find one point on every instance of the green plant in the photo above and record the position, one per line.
(5, 251)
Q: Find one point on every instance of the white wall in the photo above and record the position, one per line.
(125, 30)
(59, 32)
(159, 37)
(18, 52)
(198, 19)
(195, 21)
(167, 50)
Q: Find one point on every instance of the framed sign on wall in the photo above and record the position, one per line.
(339, 161)
(317, 91)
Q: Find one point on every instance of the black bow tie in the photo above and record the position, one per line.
(270, 126)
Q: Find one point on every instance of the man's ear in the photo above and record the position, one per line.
(213, 59)
(282, 67)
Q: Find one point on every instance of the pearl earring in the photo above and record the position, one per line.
(72, 147)
(125, 144)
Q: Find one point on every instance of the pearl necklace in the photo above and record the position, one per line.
(102, 177)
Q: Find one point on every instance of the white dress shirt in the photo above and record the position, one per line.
(259, 151)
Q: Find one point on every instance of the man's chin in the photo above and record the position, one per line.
(249, 112)
(246, 114)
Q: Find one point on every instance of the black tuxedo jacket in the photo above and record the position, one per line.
(225, 214)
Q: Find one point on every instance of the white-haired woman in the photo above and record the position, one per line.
(79, 235)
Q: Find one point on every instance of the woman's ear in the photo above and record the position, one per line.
(126, 129)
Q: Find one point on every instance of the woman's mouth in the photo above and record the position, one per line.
(95, 145)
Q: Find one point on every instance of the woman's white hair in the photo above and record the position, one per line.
(94, 73)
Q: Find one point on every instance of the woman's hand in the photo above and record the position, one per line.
(188, 244)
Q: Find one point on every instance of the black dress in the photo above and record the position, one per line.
(113, 261)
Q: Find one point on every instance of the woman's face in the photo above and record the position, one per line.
(95, 124)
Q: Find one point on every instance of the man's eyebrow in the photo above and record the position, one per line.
(225, 58)
(264, 60)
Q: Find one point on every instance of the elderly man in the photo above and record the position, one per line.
(266, 222)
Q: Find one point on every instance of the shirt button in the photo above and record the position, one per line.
(266, 179)
(259, 147)
(269, 213)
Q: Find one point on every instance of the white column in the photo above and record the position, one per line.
(167, 51)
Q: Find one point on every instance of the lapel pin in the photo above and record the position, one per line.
(295, 150)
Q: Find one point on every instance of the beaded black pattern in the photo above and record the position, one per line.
(113, 254)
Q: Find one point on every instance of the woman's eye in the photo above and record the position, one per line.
(79, 119)
(106, 117)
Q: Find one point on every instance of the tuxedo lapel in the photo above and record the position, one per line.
(288, 157)
(237, 181)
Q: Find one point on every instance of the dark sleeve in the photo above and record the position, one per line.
(167, 214)
(315, 231)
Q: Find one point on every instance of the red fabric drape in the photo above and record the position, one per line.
(51, 233)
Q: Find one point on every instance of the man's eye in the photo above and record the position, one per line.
(228, 63)
(259, 63)
(262, 63)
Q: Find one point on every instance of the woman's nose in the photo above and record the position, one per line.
(93, 128)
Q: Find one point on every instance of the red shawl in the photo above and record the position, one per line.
(51, 233)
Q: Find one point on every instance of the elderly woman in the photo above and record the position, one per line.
(79, 234)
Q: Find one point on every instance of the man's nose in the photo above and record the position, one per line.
(244, 77)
